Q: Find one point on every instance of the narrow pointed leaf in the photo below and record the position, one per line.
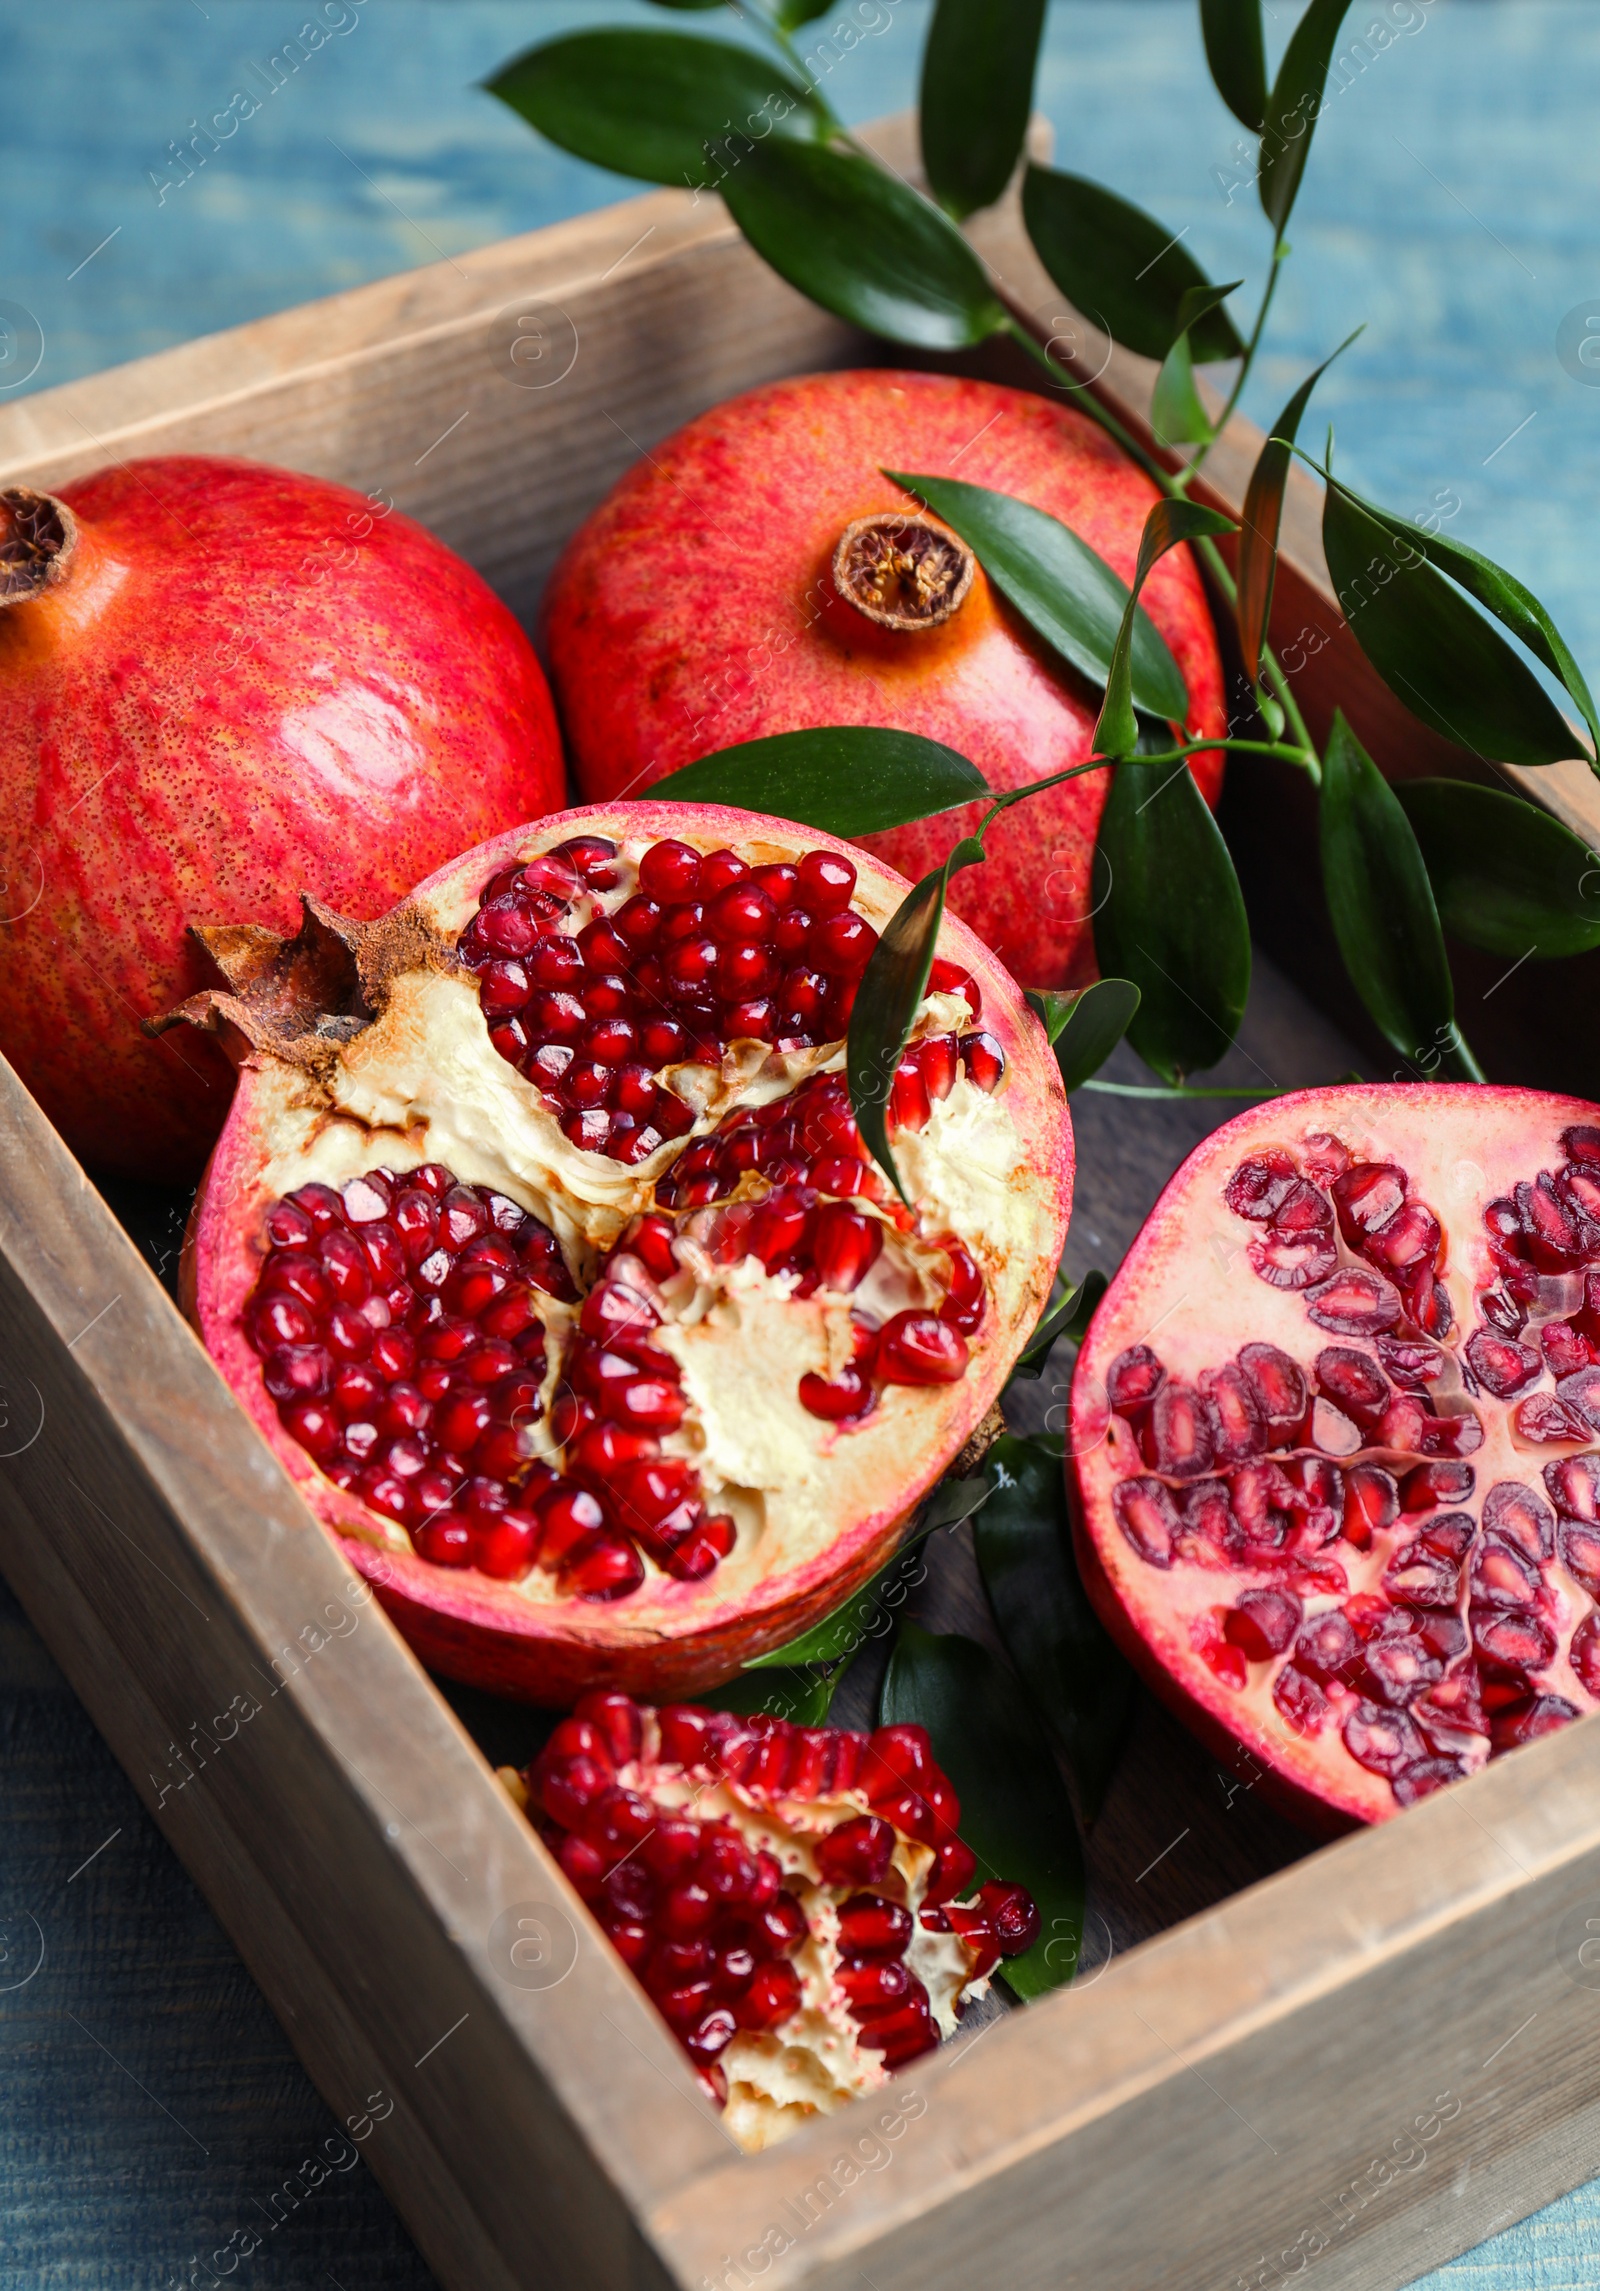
(1015, 1812)
(1064, 589)
(870, 1612)
(1431, 646)
(847, 779)
(654, 104)
(1168, 524)
(792, 14)
(1068, 1323)
(859, 242)
(1125, 271)
(1080, 1684)
(1262, 520)
(1382, 906)
(1236, 53)
(804, 1697)
(1177, 415)
(1505, 874)
(1173, 921)
(1294, 106)
(1499, 592)
(892, 987)
(1085, 1028)
(977, 90)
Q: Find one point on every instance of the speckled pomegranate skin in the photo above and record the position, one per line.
(248, 684)
(696, 609)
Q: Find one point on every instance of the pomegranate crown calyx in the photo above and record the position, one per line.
(302, 999)
(902, 571)
(38, 538)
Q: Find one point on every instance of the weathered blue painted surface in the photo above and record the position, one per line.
(149, 2107)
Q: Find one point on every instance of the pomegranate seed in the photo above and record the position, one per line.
(772, 1996)
(670, 872)
(1234, 1416)
(856, 1852)
(983, 1060)
(1500, 1364)
(1259, 1185)
(1177, 1436)
(966, 1299)
(824, 882)
(872, 1927)
(1133, 1380)
(1280, 1388)
(845, 1244)
(909, 1104)
(918, 1348)
(1147, 1516)
(847, 1398)
(1516, 1515)
(1262, 1623)
(949, 978)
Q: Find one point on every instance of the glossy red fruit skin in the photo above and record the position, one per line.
(723, 537)
(695, 1634)
(1430, 1129)
(247, 684)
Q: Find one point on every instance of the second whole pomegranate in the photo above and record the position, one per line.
(756, 575)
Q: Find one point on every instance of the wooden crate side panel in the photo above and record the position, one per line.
(148, 1501)
(1236, 2075)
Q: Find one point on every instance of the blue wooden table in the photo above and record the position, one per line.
(149, 2105)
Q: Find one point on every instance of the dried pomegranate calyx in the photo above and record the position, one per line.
(38, 540)
(787, 1895)
(901, 570)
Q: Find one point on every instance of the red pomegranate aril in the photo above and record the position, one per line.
(824, 882)
(841, 945)
(918, 1348)
(602, 1567)
(670, 872)
(446, 1541)
(966, 1298)
(508, 1548)
(856, 1852)
(1428, 1485)
(839, 1400)
(1280, 1388)
(1133, 1380)
(983, 1060)
(1263, 1623)
(949, 978)
(909, 1104)
(1177, 1437)
(869, 1926)
(844, 1245)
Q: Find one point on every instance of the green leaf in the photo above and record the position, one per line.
(859, 242)
(1236, 53)
(1080, 1684)
(1262, 518)
(1176, 414)
(892, 987)
(1118, 265)
(1382, 907)
(1085, 1028)
(1168, 524)
(1294, 107)
(848, 779)
(977, 89)
(1173, 921)
(1449, 665)
(792, 14)
(869, 1612)
(1501, 593)
(1015, 1812)
(1505, 875)
(804, 1697)
(655, 104)
(1064, 589)
(1068, 1323)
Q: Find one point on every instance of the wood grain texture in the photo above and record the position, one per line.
(354, 1842)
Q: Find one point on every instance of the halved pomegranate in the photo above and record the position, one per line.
(554, 1267)
(1336, 1438)
(789, 1896)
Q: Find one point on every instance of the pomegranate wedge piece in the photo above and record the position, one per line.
(1352, 1524)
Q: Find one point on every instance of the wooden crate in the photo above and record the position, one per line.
(1367, 2059)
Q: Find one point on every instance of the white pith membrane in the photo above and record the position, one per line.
(773, 2071)
(422, 1084)
(1426, 1688)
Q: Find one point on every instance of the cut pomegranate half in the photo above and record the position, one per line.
(622, 1393)
(1336, 1438)
(789, 1896)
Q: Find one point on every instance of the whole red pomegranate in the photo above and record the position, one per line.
(708, 601)
(1341, 1504)
(542, 1245)
(224, 685)
(790, 1896)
